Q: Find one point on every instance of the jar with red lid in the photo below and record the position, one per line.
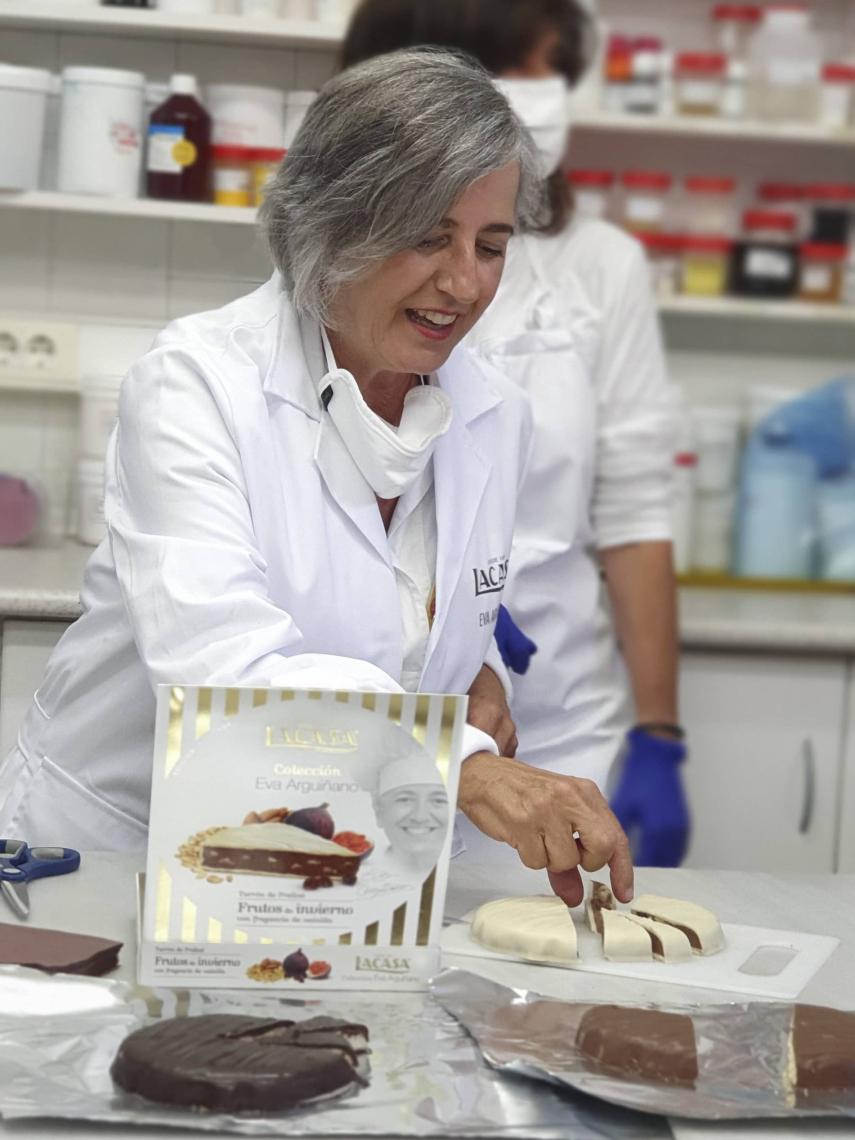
(789, 197)
(837, 96)
(699, 82)
(822, 272)
(646, 196)
(618, 73)
(734, 24)
(232, 175)
(765, 259)
(706, 264)
(832, 205)
(709, 205)
(664, 252)
(641, 95)
(592, 191)
(264, 163)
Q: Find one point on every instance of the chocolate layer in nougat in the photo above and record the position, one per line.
(640, 1044)
(230, 1063)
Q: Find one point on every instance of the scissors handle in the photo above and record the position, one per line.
(12, 851)
(40, 862)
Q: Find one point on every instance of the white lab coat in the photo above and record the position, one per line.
(245, 548)
(574, 325)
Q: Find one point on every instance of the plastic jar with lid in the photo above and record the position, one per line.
(837, 96)
(709, 205)
(264, 164)
(765, 260)
(734, 24)
(664, 254)
(232, 175)
(591, 192)
(785, 61)
(832, 205)
(101, 132)
(641, 95)
(706, 264)
(699, 78)
(822, 272)
(618, 73)
(646, 196)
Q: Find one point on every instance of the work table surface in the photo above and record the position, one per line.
(99, 898)
(44, 583)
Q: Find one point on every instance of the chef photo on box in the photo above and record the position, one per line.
(411, 806)
(315, 486)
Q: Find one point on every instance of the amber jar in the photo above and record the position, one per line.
(822, 272)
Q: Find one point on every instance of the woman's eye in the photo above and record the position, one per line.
(430, 243)
(492, 251)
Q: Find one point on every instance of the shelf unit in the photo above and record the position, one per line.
(142, 208)
(706, 128)
(151, 24)
(746, 309)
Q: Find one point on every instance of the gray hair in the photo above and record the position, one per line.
(383, 153)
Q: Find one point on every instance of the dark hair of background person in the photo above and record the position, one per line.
(500, 34)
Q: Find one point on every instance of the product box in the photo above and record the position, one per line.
(299, 839)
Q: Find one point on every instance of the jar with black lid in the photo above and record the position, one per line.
(832, 206)
(765, 259)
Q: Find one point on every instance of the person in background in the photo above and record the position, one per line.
(300, 483)
(596, 500)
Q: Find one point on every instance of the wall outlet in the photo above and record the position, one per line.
(38, 354)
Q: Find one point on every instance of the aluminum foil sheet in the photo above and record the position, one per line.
(427, 1075)
(742, 1049)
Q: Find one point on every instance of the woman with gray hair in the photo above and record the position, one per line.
(312, 487)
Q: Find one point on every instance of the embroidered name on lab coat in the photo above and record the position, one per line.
(491, 580)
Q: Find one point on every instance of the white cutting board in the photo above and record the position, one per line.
(788, 959)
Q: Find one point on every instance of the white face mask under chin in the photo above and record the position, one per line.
(544, 106)
(389, 459)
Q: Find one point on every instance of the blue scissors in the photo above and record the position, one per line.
(20, 863)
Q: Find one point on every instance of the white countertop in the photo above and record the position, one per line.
(99, 899)
(43, 584)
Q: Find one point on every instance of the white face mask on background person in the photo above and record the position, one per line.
(544, 106)
(390, 459)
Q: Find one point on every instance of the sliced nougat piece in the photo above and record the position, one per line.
(623, 940)
(821, 1056)
(538, 928)
(700, 925)
(670, 944)
(600, 898)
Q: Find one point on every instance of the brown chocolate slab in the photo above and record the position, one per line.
(231, 1063)
(640, 1044)
(57, 951)
(824, 1051)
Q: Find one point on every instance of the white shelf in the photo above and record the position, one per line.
(37, 15)
(127, 207)
(748, 309)
(704, 127)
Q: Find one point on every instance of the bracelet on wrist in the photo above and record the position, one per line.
(676, 731)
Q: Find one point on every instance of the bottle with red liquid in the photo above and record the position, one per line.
(179, 146)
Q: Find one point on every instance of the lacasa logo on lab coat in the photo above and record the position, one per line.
(491, 580)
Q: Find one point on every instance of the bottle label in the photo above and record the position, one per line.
(817, 279)
(791, 72)
(168, 151)
(767, 263)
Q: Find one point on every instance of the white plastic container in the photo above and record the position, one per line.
(297, 104)
(716, 434)
(91, 528)
(837, 96)
(23, 105)
(785, 61)
(99, 408)
(252, 117)
(101, 131)
(712, 537)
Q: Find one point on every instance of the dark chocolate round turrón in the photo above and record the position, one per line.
(225, 1062)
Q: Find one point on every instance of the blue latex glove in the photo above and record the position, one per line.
(650, 802)
(516, 649)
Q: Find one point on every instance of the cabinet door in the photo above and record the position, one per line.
(766, 740)
(26, 648)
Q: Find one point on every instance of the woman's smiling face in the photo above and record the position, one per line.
(415, 819)
(407, 314)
